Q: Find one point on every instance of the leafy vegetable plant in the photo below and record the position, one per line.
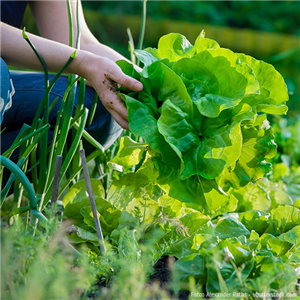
(203, 114)
(206, 145)
(242, 251)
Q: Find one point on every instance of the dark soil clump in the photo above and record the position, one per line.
(163, 275)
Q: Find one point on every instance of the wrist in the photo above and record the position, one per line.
(82, 64)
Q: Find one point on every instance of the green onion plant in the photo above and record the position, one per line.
(37, 154)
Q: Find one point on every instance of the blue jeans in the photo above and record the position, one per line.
(29, 90)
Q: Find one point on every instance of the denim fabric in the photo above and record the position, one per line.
(7, 90)
(12, 12)
(29, 90)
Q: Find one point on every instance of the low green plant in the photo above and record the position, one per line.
(32, 141)
(208, 147)
(244, 243)
(42, 266)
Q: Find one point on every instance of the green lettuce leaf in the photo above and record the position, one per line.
(271, 84)
(267, 279)
(130, 152)
(205, 193)
(235, 79)
(190, 266)
(283, 218)
(175, 46)
(292, 236)
(143, 123)
(202, 43)
(252, 196)
(228, 227)
(159, 76)
(130, 186)
(258, 145)
(196, 73)
(228, 264)
(274, 244)
(255, 220)
(77, 198)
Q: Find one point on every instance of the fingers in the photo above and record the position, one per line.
(112, 102)
(122, 122)
(106, 86)
(114, 105)
(115, 73)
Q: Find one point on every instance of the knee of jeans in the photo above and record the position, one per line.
(7, 89)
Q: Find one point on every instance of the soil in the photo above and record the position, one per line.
(162, 274)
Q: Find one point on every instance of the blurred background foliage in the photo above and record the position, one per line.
(273, 16)
(266, 30)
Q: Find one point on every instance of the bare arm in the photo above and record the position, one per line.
(56, 13)
(96, 68)
(16, 51)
